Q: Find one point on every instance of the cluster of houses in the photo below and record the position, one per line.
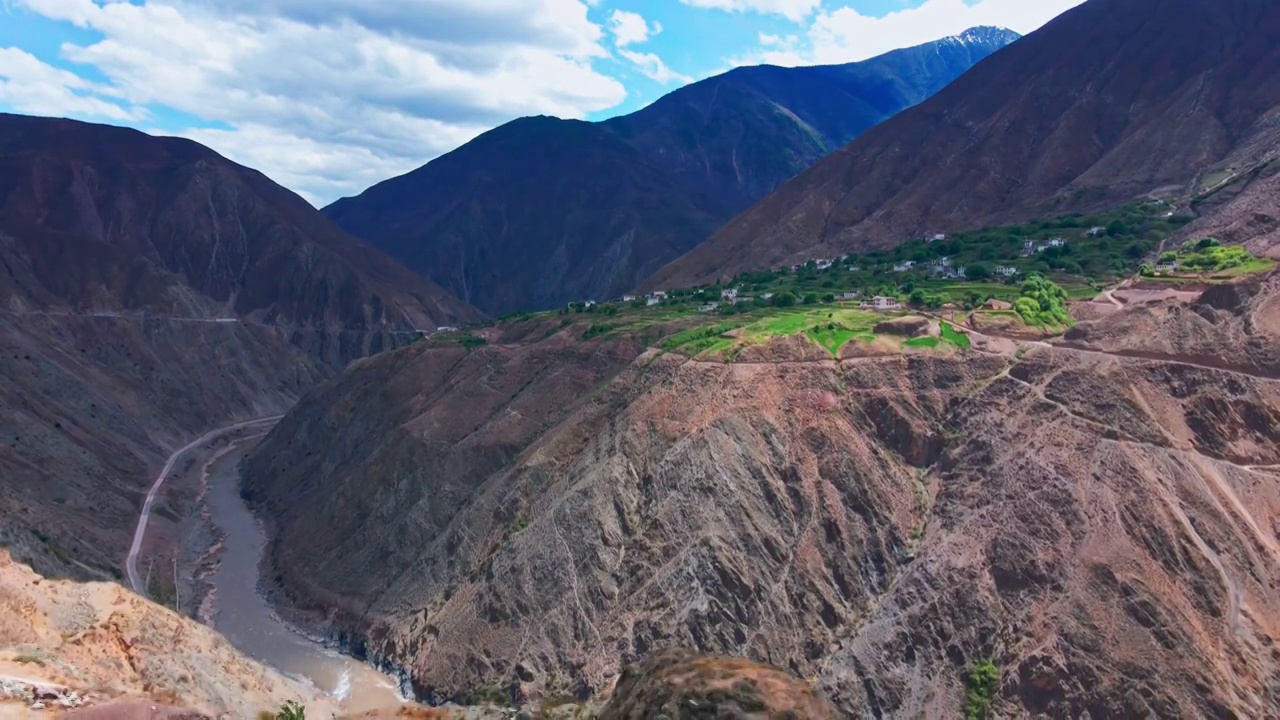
(880, 302)
(1030, 247)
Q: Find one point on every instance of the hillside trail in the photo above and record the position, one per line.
(139, 533)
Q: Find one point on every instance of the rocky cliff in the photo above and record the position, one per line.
(1099, 521)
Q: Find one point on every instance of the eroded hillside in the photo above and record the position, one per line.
(112, 650)
(1099, 521)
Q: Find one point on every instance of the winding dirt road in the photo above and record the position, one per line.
(131, 562)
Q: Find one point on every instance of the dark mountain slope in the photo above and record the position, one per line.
(1113, 100)
(542, 211)
(99, 218)
(151, 290)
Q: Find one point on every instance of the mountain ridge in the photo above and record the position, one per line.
(542, 211)
(1091, 110)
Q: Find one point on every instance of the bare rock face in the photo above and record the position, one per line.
(1098, 520)
(681, 684)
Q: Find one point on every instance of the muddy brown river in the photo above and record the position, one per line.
(243, 616)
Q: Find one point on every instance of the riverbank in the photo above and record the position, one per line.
(227, 543)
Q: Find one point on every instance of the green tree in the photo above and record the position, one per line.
(811, 299)
(1117, 228)
(785, 298)
(916, 297)
(829, 298)
(978, 272)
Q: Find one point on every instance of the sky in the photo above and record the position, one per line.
(328, 97)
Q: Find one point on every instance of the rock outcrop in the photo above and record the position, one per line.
(679, 684)
(121, 656)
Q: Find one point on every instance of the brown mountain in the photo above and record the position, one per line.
(543, 211)
(151, 290)
(1096, 518)
(1114, 100)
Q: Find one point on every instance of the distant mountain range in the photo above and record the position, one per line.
(1091, 110)
(543, 211)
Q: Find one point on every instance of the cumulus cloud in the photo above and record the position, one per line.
(30, 85)
(328, 96)
(630, 28)
(796, 10)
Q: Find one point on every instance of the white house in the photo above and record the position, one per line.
(1167, 267)
(1006, 270)
(938, 237)
(628, 298)
(904, 266)
(651, 301)
(1057, 242)
(881, 302)
(825, 264)
(1028, 247)
(849, 296)
(767, 296)
(446, 328)
(709, 307)
(729, 294)
(957, 274)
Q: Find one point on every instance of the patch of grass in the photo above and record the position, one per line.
(832, 337)
(981, 689)
(955, 337)
(926, 342)
(488, 694)
(683, 341)
(29, 660)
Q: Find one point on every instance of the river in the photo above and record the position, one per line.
(243, 616)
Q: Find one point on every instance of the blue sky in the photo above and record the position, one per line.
(330, 96)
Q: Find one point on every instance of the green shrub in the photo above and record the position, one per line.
(784, 299)
(292, 711)
(984, 679)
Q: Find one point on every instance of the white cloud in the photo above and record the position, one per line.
(796, 10)
(328, 96)
(844, 35)
(31, 86)
(630, 28)
(653, 67)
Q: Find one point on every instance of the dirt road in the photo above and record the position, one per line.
(131, 562)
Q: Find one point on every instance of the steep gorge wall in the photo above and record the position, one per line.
(1103, 528)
